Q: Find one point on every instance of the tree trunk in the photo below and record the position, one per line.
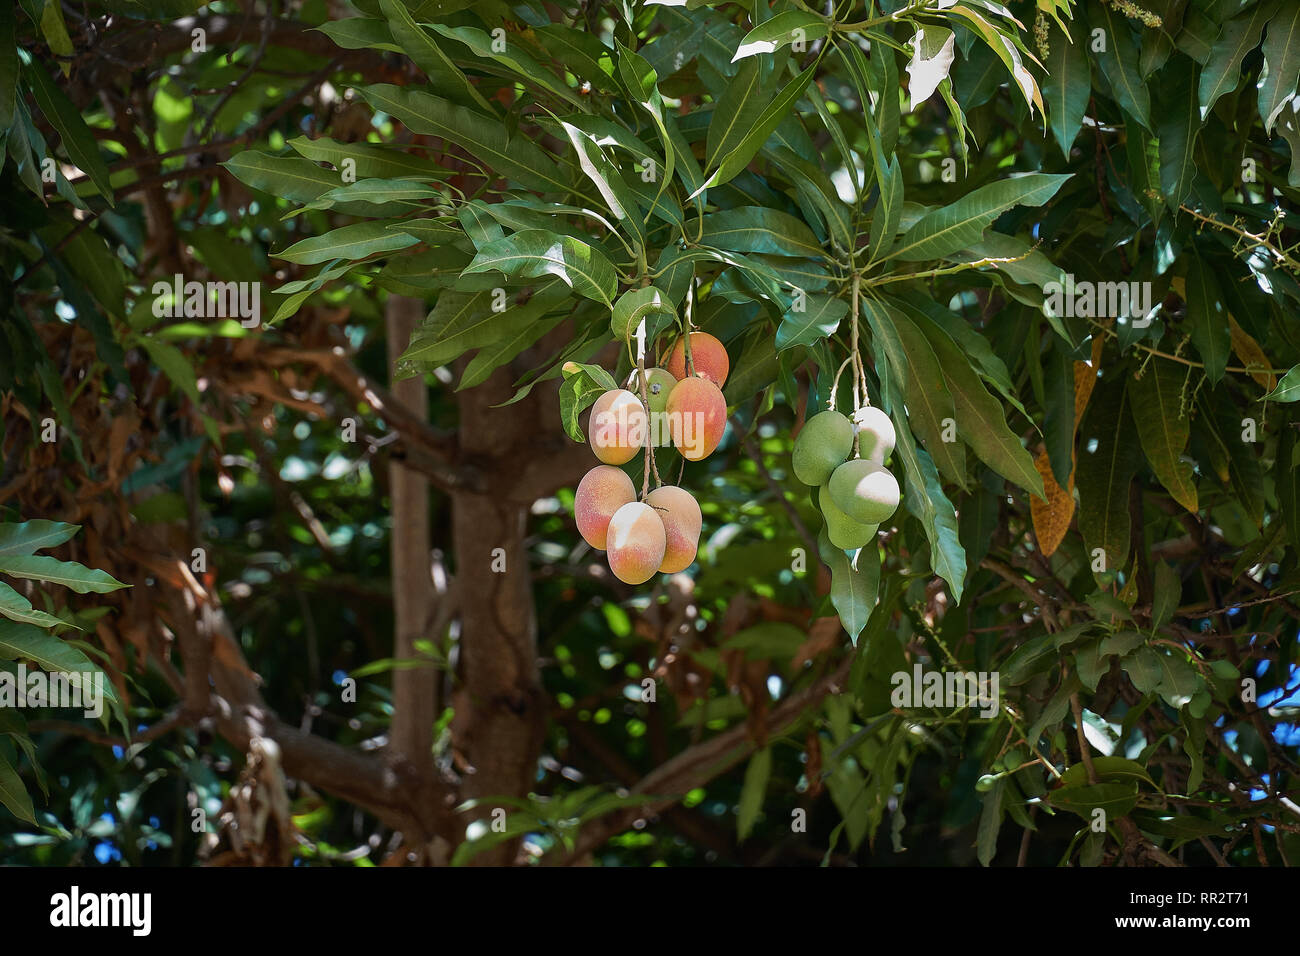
(414, 689)
(500, 717)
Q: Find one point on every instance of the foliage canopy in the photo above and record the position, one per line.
(1055, 233)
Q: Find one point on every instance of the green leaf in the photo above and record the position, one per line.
(1236, 38)
(1035, 654)
(980, 419)
(752, 792)
(925, 499)
(360, 33)
(737, 110)
(1067, 87)
(492, 357)
(771, 35)
(1119, 64)
(513, 58)
(288, 177)
(513, 157)
(1289, 129)
(837, 135)
(1288, 387)
(357, 241)
(30, 536)
(933, 50)
(889, 209)
(924, 496)
(642, 83)
(369, 161)
(743, 142)
(95, 264)
(1282, 59)
(638, 305)
(1177, 129)
(461, 321)
(820, 318)
(377, 191)
(1168, 592)
(961, 224)
(760, 229)
(581, 53)
(1108, 770)
(1116, 799)
(1169, 675)
(290, 306)
(1024, 264)
(580, 390)
(1181, 828)
(754, 371)
(24, 641)
(1143, 669)
(173, 363)
(607, 180)
(13, 794)
(990, 823)
(1007, 50)
(76, 136)
(1122, 642)
(1164, 426)
(1207, 314)
(1090, 664)
(930, 407)
(1107, 461)
(55, 31)
(1108, 608)
(17, 608)
(432, 232)
(70, 574)
(518, 328)
(536, 252)
(443, 74)
(855, 583)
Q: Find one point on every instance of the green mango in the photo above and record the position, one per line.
(825, 441)
(864, 490)
(876, 435)
(845, 533)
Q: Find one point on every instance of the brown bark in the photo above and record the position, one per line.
(411, 734)
(500, 709)
(386, 786)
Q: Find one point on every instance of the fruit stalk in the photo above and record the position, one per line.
(858, 386)
(650, 465)
(686, 331)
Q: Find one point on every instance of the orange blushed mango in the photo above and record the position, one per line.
(602, 491)
(618, 426)
(708, 357)
(697, 416)
(636, 542)
(680, 513)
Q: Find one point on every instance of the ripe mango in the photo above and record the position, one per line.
(680, 513)
(708, 357)
(697, 417)
(602, 491)
(823, 444)
(636, 543)
(618, 426)
(864, 490)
